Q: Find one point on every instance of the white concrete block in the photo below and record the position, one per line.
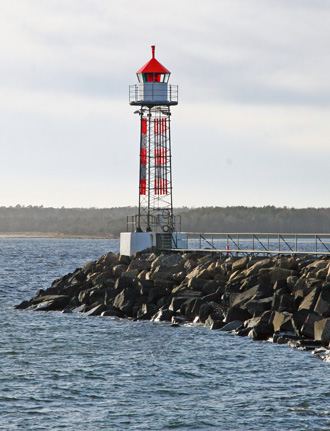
(132, 242)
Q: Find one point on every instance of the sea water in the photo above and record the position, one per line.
(72, 372)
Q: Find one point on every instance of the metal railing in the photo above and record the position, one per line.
(257, 243)
(158, 223)
(139, 97)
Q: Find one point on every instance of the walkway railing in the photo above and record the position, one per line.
(256, 243)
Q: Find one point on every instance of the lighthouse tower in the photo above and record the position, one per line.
(153, 96)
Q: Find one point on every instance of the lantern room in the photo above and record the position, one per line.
(153, 88)
(153, 71)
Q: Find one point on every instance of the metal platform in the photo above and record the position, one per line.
(317, 244)
(154, 98)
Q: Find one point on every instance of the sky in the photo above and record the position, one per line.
(252, 126)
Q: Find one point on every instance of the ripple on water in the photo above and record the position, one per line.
(71, 372)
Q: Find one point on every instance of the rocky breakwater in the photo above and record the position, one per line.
(285, 299)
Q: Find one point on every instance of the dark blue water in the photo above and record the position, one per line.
(71, 372)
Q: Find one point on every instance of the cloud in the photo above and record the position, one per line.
(253, 85)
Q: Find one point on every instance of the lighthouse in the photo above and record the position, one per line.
(152, 97)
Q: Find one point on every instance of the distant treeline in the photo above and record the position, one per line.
(109, 222)
(257, 219)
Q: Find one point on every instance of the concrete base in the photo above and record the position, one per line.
(132, 242)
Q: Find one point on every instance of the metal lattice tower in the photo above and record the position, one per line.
(154, 96)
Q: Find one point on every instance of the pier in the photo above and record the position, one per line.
(253, 243)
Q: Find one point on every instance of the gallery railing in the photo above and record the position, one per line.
(257, 243)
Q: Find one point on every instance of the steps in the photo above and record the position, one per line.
(164, 241)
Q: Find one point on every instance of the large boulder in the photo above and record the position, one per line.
(124, 282)
(167, 261)
(163, 273)
(215, 320)
(278, 273)
(283, 303)
(112, 313)
(287, 262)
(204, 309)
(231, 326)
(281, 321)
(118, 270)
(108, 259)
(236, 313)
(156, 294)
(96, 311)
(307, 329)
(264, 263)
(125, 301)
(298, 319)
(50, 302)
(197, 284)
(322, 305)
(263, 329)
(310, 300)
(256, 307)
(239, 299)
(163, 315)
(322, 331)
(176, 303)
(146, 311)
(240, 264)
(140, 265)
(189, 309)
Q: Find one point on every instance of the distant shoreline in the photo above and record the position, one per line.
(50, 235)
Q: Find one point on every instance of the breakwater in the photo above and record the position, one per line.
(286, 298)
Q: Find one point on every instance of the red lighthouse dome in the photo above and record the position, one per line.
(153, 71)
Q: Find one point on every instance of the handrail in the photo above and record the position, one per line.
(257, 243)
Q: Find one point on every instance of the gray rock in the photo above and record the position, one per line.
(23, 305)
(146, 311)
(307, 329)
(133, 273)
(283, 303)
(124, 282)
(238, 300)
(282, 321)
(298, 319)
(322, 306)
(232, 326)
(212, 287)
(240, 263)
(51, 302)
(162, 273)
(140, 265)
(162, 315)
(261, 331)
(176, 303)
(96, 311)
(111, 313)
(278, 273)
(236, 313)
(197, 284)
(156, 293)
(214, 317)
(322, 331)
(310, 300)
(125, 300)
(118, 270)
(256, 307)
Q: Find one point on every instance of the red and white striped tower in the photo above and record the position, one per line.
(154, 96)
